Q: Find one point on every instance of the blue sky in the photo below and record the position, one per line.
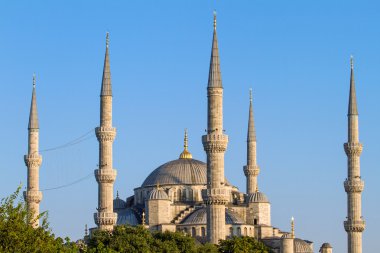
(294, 54)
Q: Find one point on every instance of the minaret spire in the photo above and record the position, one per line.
(214, 77)
(353, 185)
(33, 161)
(251, 170)
(105, 175)
(215, 145)
(106, 80)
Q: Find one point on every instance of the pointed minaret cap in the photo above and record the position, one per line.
(214, 77)
(33, 115)
(251, 123)
(352, 105)
(106, 80)
(292, 225)
(185, 154)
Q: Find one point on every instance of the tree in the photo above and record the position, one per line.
(243, 244)
(16, 235)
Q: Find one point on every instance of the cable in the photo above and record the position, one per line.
(71, 143)
(69, 184)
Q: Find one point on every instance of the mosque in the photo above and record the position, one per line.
(193, 196)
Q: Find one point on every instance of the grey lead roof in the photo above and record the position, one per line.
(106, 80)
(199, 216)
(179, 172)
(352, 105)
(214, 77)
(33, 115)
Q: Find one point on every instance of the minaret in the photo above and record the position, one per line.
(354, 225)
(251, 170)
(215, 144)
(105, 175)
(33, 160)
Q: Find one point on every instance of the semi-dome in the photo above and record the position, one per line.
(127, 216)
(199, 216)
(118, 203)
(302, 246)
(257, 197)
(158, 193)
(179, 172)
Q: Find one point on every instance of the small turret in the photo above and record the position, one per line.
(326, 248)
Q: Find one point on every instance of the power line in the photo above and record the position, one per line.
(78, 140)
(69, 184)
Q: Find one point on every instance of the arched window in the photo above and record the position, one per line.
(245, 231)
(254, 221)
(231, 231)
(239, 231)
(193, 232)
(185, 230)
(250, 231)
(203, 231)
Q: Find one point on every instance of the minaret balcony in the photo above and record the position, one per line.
(105, 176)
(215, 142)
(353, 185)
(105, 133)
(354, 226)
(251, 170)
(32, 196)
(353, 148)
(216, 196)
(104, 218)
(33, 160)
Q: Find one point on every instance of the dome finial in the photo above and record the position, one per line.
(214, 19)
(143, 218)
(107, 39)
(185, 154)
(352, 62)
(292, 225)
(34, 79)
(117, 194)
(85, 230)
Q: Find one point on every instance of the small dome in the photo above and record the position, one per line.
(199, 216)
(158, 193)
(119, 203)
(257, 197)
(302, 247)
(326, 245)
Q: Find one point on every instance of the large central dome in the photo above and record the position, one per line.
(180, 171)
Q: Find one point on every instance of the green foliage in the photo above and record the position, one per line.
(138, 239)
(243, 244)
(16, 235)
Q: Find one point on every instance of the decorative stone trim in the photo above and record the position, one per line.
(33, 160)
(353, 148)
(216, 196)
(354, 226)
(214, 91)
(105, 176)
(215, 142)
(251, 170)
(32, 196)
(104, 218)
(355, 185)
(105, 133)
